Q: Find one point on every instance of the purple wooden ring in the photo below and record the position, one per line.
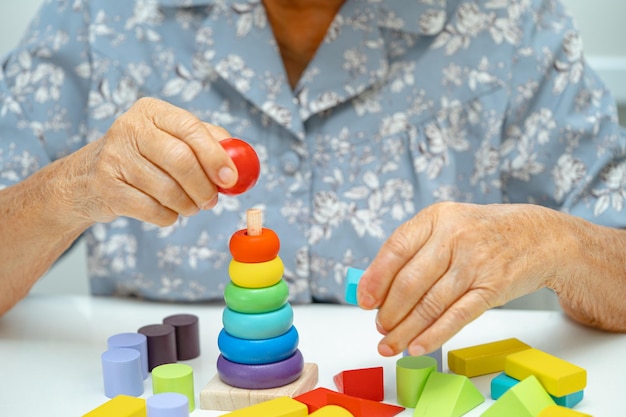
(268, 375)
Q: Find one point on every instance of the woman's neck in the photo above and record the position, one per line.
(299, 27)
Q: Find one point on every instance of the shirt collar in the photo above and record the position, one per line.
(421, 17)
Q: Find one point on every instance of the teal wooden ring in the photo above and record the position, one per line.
(260, 325)
(256, 300)
(256, 352)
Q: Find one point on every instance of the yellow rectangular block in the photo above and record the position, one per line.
(120, 406)
(557, 376)
(278, 407)
(483, 359)
(559, 411)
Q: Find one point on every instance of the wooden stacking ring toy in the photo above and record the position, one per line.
(257, 275)
(258, 326)
(255, 352)
(269, 375)
(256, 300)
(253, 249)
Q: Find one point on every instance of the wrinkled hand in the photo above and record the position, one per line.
(156, 161)
(449, 264)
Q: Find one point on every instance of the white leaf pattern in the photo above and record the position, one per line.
(427, 101)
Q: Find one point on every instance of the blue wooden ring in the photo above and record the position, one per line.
(256, 300)
(255, 352)
(258, 326)
(270, 375)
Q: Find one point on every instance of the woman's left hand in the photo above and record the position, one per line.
(453, 261)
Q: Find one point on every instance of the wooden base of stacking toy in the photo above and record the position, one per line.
(217, 395)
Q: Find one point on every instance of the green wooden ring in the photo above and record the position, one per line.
(256, 300)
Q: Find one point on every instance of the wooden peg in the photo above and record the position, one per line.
(254, 221)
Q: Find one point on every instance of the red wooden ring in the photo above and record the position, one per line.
(253, 249)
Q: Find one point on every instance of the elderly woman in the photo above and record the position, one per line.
(460, 150)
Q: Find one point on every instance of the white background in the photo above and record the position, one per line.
(602, 26)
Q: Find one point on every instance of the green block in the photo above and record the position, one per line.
(447, 395)
(174, 377)
(411, 375)
(525, 399)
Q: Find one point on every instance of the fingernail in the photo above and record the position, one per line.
(385, 350)
(416, 350)
(210, 204)
(366, 300)
(227, 176)
(380, 328)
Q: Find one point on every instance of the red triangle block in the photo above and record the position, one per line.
(363, 383)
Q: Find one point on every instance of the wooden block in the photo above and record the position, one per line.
(483, 359)
(358, 407)
(569, 400)
(277, 407)
(217, 395)
(363, 383)
(501, 383)
(353, 276)
(447, 395)
(526, 399)
(559, 411)
(314, 399)
(557, 376)
(331, 411)
(412, 372)
(120, 406)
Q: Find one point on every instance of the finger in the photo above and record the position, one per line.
(160, 186)
(424, 313)
(178, 162)
(412, 282)
(401, 246)
(468, 308)
(204, 142)
(131, 202)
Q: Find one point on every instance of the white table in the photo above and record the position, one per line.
(50, 350)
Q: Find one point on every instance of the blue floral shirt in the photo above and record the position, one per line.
(406, 103)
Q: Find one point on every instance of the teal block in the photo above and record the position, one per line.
(569, 400)
(353, 276)
(501, 384)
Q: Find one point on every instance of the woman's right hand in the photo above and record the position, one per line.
(156, 162)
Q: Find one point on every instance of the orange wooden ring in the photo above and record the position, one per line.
(254, 249)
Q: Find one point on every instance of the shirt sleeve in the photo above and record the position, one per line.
(44, 84)
(562, 146)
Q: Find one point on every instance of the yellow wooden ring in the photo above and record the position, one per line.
(256, 275)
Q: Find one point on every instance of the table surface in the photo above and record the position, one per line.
(50, 349)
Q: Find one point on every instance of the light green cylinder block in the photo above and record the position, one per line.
(174, 377)
(411, 375)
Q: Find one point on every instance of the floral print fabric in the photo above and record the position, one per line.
(406, 103)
